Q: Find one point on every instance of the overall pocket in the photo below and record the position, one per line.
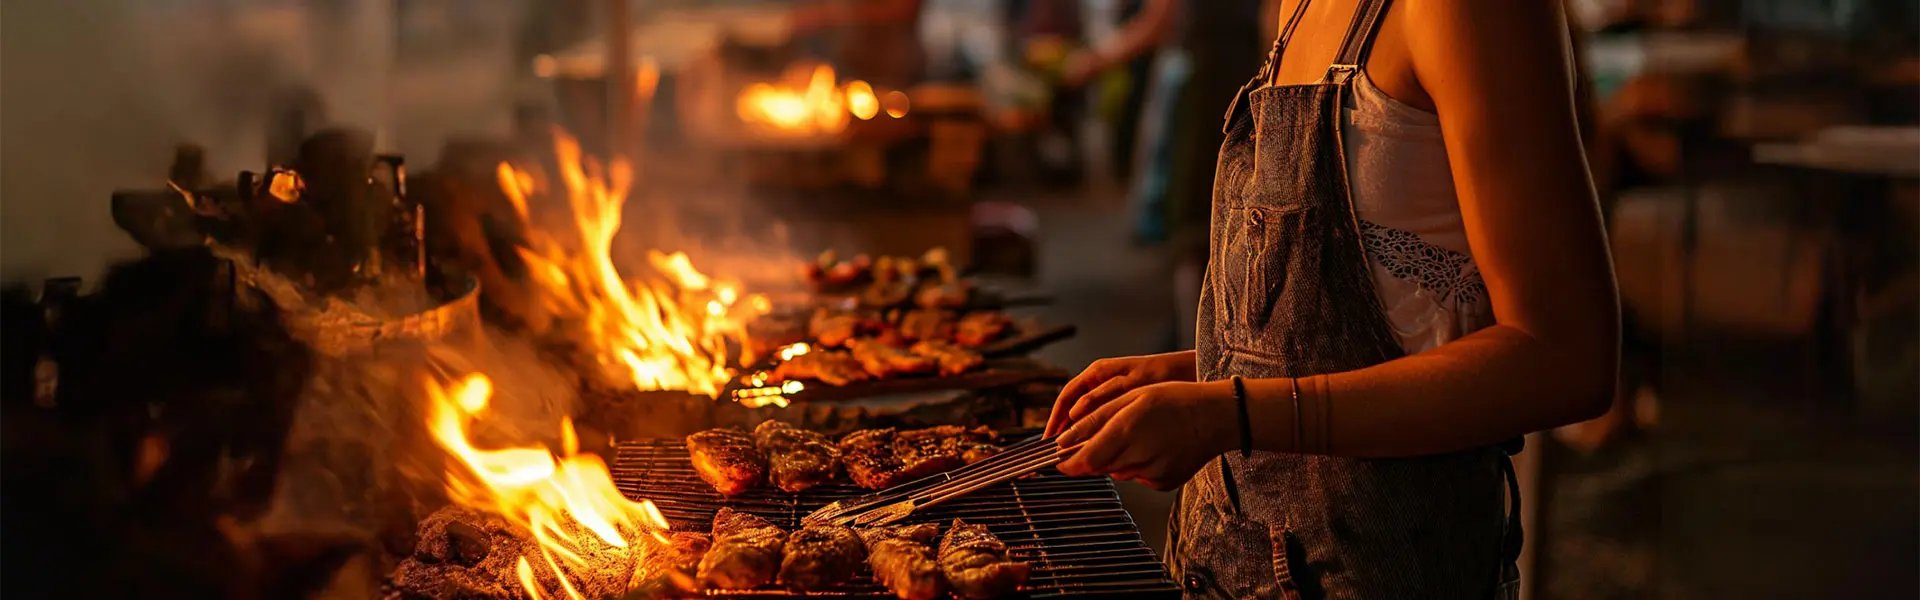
(1225, 555)
(1271, 243)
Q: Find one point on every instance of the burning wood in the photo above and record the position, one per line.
(576, 534)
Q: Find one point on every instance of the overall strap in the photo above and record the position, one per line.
(1359, 40)
(1267, 70)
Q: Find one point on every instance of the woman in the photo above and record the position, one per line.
(1406, 273)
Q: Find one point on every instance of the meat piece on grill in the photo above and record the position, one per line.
(834, 329)
(947, 446)
(727, 459)
(981, 328)
(953, 360)
(798, 459)
(868, 456)
(976, 563)
(882, 458)
(902, 559)
(670, 569)
(948, 294)
(883, 293)
(832, 367)
(820, 556)
(883, 361)
(746, 551)
(927, 325)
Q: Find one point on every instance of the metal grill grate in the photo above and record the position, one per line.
(1073, 531)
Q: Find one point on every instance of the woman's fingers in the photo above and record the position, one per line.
(1083, 429)
(1107, 432)
(1107, 391)
(1094, 375)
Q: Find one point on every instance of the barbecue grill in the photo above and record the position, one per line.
(1073, 531)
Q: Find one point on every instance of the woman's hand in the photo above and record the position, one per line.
(1158, 435)
(1108, 378)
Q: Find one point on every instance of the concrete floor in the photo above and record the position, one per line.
(1746, 488)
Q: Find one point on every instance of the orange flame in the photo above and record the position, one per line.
(671, 329)
(551, 495)
(820, 106)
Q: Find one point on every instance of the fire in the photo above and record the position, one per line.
(672, 328)
(819, 106)
(567, 501)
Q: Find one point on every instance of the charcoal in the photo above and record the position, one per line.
(466, 554)
(466, 545)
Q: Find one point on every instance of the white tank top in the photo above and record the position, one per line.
(1410, 220)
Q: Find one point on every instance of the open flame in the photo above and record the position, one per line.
(670, 328)
(821, 106)
(565, 500)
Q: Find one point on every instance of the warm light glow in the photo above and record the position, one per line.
(552, 495)
(286, 186)
(787, 353)
(669, 328)
(861, 101)
(896, 104)
(820, 106)
(646, 79)
(545, 67)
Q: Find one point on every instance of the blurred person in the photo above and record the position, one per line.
(1202, 53)
(1407, 273)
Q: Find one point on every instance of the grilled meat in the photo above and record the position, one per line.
(799, 459)
(902, 559)
(727, 459)
(882, 458)
(821, 555)
(832, 367)
(834, 329)
(868, 456)
(746, 551)
(935, 449)
(953, 360)
(980, 328)
(949, 294)
(883, 293)
(976, 563)
(827, 272)
(927, 325)
(883, 361)
(671, 569)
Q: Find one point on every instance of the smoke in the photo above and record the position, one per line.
(95, 94)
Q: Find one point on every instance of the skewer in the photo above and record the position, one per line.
(1021, 451)
(893, 513)
(1016, 451)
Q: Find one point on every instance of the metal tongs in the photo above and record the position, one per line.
(886, 508)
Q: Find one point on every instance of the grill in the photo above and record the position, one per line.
(1073, 531)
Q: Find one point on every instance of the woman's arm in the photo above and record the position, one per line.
(1138, 36)
(1498, 74)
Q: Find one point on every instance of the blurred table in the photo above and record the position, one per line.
(1874, 151)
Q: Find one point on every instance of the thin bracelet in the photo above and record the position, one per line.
(1299, 443)
(1246, 422)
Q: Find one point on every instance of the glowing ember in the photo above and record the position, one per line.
(565, 500)
(672, 327)
(820, 106)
